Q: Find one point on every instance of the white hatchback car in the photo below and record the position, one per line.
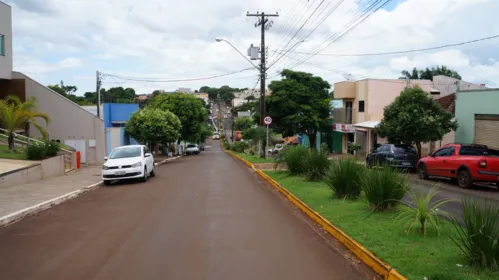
(128, 162)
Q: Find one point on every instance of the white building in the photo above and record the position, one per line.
(184, 90)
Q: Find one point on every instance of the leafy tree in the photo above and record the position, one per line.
(250, 98)
(14, 114)
(157, 92)
(427, 74)
(299, 104)
(243, 123)
(414, 117)
(188, 108)
(154, 125)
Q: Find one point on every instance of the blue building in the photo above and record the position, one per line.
(116, 115)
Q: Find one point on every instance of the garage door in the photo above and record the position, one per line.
(79, 145)
(487, 130)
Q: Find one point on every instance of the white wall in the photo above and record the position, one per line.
(6, 30)
(69, 121)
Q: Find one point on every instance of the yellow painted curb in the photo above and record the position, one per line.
(379, 266)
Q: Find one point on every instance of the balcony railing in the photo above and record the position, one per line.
(343, 115)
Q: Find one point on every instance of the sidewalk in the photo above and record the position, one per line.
(16, 198)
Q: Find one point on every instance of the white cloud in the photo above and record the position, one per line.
(171, 39)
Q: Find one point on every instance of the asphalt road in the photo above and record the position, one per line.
(446, 190)
(202, 217)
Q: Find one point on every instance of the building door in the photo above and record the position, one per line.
(79, 145)
(487, 130)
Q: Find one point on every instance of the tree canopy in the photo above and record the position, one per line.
(188, 108)
(427, 74)
(115, 94)
(299, 104)
(154, 125)
(243, 123)
(414, 117)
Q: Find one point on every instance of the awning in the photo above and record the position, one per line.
(368, 124)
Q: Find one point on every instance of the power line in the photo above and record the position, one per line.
(160, 80)
(401, 52)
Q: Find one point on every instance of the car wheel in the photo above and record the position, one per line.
(152, 174)
(368, 164)
(107, 182)
(144, 178)
(464, 179)
(422, 172)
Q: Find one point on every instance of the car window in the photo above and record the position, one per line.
(385, 148)
(191, 146)
(146, 150)
(404, 149)
(445, 152)
(473, 151)
(125, 152)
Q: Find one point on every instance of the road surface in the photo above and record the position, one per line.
(202, 217)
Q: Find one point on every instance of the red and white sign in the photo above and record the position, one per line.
(267, 120)
(345, 128)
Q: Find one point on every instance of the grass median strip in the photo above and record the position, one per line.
(254, 159)
(434, 256)
(7, 154)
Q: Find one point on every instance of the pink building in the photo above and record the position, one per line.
(360, 105)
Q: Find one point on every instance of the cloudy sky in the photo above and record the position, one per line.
(69, 40)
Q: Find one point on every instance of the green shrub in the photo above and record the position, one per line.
(53, 148)
(36, 151)
(384, 187)
(252, 151)
(240, 147)
(315, 164)
(226, 146)
(39, 151)
(343, 177)
(423, 209)
(293, 158)
(478, 239)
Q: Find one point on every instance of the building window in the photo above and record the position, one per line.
(2, 44)
(361, 106)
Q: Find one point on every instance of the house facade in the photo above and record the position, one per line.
(477, 114)
(359, 107)
(116, 115)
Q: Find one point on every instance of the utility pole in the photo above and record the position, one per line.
(97, 93)
(264, 24)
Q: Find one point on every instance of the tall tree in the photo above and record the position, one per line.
(15, 114)
(188, 108)
(243, 123)
(414, 117)
(427, 74)
(154, 125)
(299, 104)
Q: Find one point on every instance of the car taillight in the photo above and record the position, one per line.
(482, 164)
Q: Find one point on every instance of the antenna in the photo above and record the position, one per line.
(349, 77)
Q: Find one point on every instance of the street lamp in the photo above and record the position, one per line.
(221, 39)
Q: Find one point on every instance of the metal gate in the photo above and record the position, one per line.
(487, 130)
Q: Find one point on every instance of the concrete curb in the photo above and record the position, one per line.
(366, 256)
(21, 214)
(166, 160)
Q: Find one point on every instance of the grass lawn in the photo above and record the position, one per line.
(255, 159)
(5, 153)
(434, 256)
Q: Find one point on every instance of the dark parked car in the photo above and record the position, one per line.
(395, 155)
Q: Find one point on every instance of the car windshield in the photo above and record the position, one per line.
(191, 146)
(126, 152)
(404, 149)
(278, 146)
(215, 133)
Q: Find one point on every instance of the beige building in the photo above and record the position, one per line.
(70, 123)
(359, 107)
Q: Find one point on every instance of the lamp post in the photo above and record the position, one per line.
(223, 40)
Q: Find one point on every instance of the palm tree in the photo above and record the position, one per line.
(14, 113)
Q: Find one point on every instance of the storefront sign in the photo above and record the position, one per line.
(345, 128)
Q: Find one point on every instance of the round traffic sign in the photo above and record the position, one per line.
(267, 120)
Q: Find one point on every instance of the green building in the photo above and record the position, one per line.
(477, 114)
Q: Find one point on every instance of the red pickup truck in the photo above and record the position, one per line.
(463, 163)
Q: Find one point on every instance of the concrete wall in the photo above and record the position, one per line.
(6, 31)
(469, 103)
(33, 171)
(382, 93)
(344, 90)
(68, 119)
(116, 112)
(447, 85)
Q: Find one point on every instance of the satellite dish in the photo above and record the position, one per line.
(348, 77)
